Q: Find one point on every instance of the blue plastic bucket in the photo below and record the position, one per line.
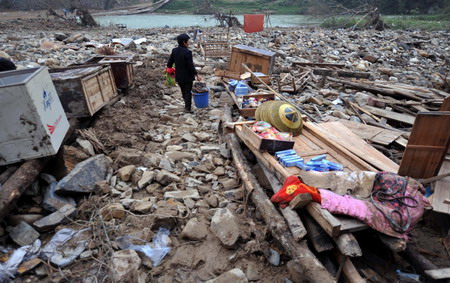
(201, 99)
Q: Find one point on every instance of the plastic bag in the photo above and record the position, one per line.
(9, 268)
(155, 251)
(169, 75)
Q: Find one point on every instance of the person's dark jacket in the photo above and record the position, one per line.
(184, 64)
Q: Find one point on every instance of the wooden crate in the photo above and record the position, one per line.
(121, 66)
(83, 90)
(250, 112)
(265, 144)
(258, 60)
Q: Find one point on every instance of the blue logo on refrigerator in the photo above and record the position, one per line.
(47, 100)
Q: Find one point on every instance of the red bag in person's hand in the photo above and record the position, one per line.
(292, 187)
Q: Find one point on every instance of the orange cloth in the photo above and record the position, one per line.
(292, 187)
(253, 23)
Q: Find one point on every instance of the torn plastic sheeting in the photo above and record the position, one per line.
(127, 41)
(65, 246)
(9, 268)
(156, 251)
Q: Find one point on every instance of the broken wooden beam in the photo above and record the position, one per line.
(394, 244)
(308, 64)
(374, 89)
(13, 188)
(416, 260)
(350, 272)
(391, 115)
(326, 220)
(318, 237)
(314, 270)
(293, 220)
(340, 73)
(7, 173)
(300, 201)
(348, 245)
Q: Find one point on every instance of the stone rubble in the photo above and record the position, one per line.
(170, 169)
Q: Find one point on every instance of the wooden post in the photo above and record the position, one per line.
(314, 270)
(293, 220)
(13, 188)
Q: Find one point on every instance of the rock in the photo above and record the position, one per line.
(237, 194)
(189, 137)
(386, 71)
(153, 188)
(61, 216)
(274, 257)
(52, 62)
(124, 266)
(252, 274)
(84, 175)
(189, 203)
(203, 136)
(4, 55)
(180, 195)
(86, 145)
(209, 148)
(141, 206)
(295, 272)
(212, 201)
(361, 67)
(235, 275)
(23, 234)
(224, 151)
(131, 156)
(219, 171)
(179, 155)
(125, 172)
(165, 164)
(127, 202)
(370, 58)
(166, 178)
(146, 179)
(112, 210)
(60, 36)
(229, 184)
(102, 187)
(15, 220)
(340, 115)
(194, 230)
(48, 178)
(225, 226)
(53, 202)
(74, 38)
(174, 148)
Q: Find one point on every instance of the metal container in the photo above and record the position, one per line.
(32, 120)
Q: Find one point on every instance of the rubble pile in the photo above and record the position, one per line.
(151, 195)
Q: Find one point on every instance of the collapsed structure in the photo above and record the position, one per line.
(142, 187)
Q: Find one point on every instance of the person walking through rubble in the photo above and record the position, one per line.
(185, 73)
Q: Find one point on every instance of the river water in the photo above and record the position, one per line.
(177, 20)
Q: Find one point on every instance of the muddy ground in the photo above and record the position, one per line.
(140, 129)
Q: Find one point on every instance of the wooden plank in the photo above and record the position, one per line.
(292, 218)
(394, 244)
(343, 136)
(407, 119)
(427, 146)
(349, 224)
(333, 146)
(348, 245)
(318, 64)
(318, 237)
(300, 201)
(339, 73)
(438, 274)
(350, 272)
(326, 220)
(442, 191)
(445, 105)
